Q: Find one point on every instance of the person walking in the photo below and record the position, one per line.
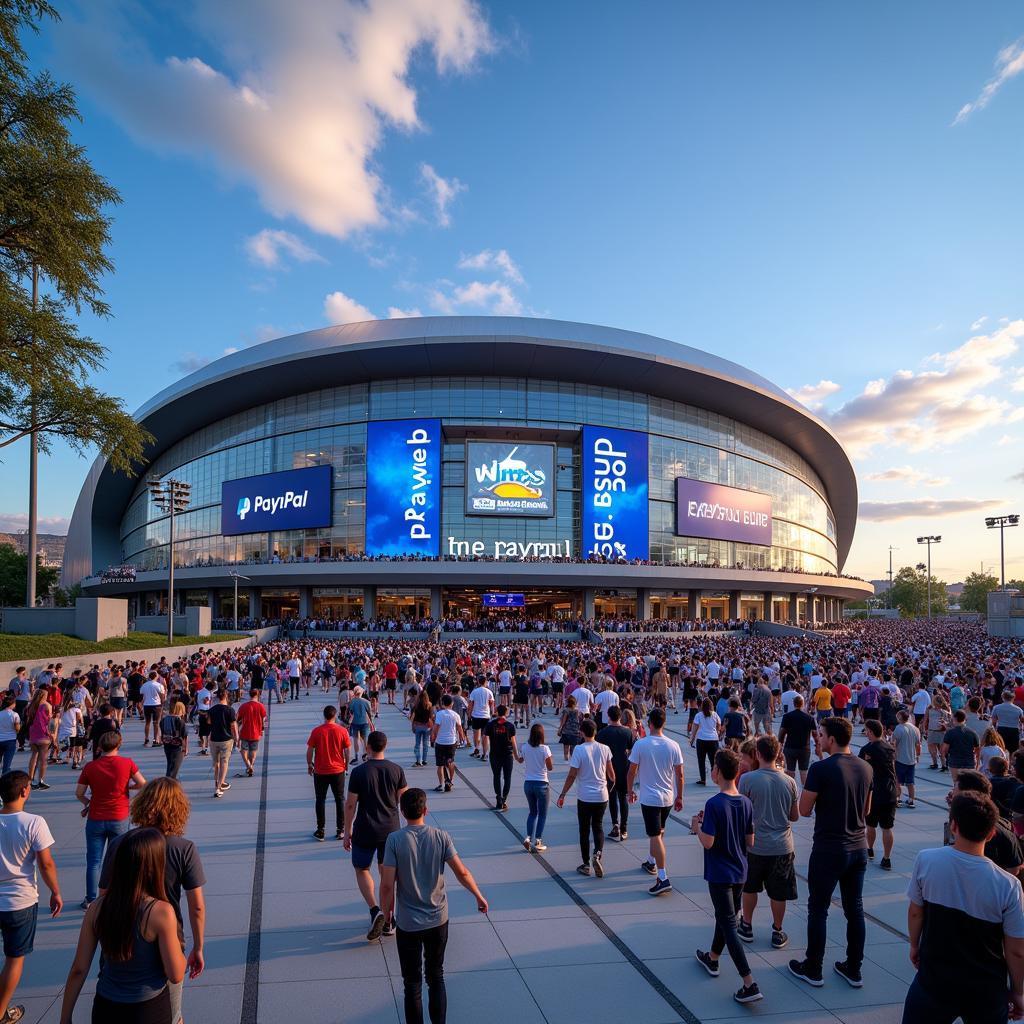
(481, 702)
(966, 927)
(619, 740)
(725, 829)
(371, 815)
(838, 794)
(223, 740)
(42, 730)
(1006, 719)
(536, 755)
(327, 761)
(656, 762)
(906, 738)
(706, 730)
(137, 932)
(25, 844)
(107, 780)
(881, 755)
(252, 721)
(960, 746)
(412, 879)
(795, 732)
(421, 719)
(500, 736)
(174, 738)
(153, 693)
(360, 722)
(446, 734)
(591, 765)
(771, 859)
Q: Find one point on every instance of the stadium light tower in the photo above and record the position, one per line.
(171, 496)
(236, 577)
(888, 596)
(1000, 523)
(930, 540)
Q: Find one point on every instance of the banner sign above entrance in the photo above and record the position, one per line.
(504, 600)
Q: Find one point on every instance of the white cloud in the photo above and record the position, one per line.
(339, 308)
(494, 297)
(441, 192)
(267, 246)
(292, 99)
(189, 362)
(394, 313)
(493, 259)
(923, 508)
(1009, 64)
(977, 325)
(909, 475)
(813, 395)
(1005, 440)
(920, 410)
(15, 522)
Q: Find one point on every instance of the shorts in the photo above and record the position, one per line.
(119, 703)
(654, 819)
(360, 730)
(220, 750)
(391, 685)
(936, 737)
(762, 718)
(774, 874)
(250, 746)
(905, 774)
(871, 714)
(478, 723)
(362, 856)
(558, 687)
(204, 725)
(883, 816)
(797, 758)
(152, 712)
(841, 712)
(443, 753)
(19, 930)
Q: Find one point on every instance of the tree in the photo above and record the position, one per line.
(910, 593)
(65, 598)
(14, 569)
(976, 590)
(53, 235)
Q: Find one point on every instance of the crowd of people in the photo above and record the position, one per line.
(831, 727)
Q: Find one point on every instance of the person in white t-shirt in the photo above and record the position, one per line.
(481, 707)
(446, 734)
(656, 762)
(606, 699)
(25, 841)
(591, 765)
(536, 756)
(921, 701)
(584, 698)
(153, 693)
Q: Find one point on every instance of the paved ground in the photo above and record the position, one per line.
(555, 947)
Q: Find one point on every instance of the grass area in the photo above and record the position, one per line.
(21, 647)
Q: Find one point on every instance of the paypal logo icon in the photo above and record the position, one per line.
(295, 499)
(243, 507)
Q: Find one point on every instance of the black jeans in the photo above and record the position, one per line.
(1011, 737)
(826, 869)
(708, 749)
(416, 951)
(336, 784)
(618, 806)
(970, 1004)
(293, 685)
(591, 819)
(174, 755)
(725, 899)
(501, 771)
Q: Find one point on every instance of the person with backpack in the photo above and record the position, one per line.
(937, 722)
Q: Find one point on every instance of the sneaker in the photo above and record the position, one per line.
(614, 834)
(944, 768)
(389, 928)
(439, 789)
(85, 904)
(623, 836)
(885, 864)
(848, 974)
(871, 853)
(225, 785)
(339, 835)
(709, 965)
(662, 885)
(498, 805)
(700, 782)
(13, 1015)
(933, 767)
(249, 772)
(910, 804)
(598, 866)
(649, 866)
(204, 753)
(748, 993)
(217, 794)
(799, 969)
(779, 939)
(377, 923)
(448, 787)
(583, 869)
(540, 847)
(745, 931)
(43, 785)
(318, 835)
(527, 844)
(504, 806)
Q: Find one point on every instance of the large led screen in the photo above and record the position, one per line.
(722, 513)
(403, 487)
(510, 479)
(615, 509)
(296, 499)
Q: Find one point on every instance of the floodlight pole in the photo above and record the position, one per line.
(236, 576)
(1000, 523)
(929, 540)
(171, 496)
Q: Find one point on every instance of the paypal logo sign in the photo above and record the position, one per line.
(296, 499)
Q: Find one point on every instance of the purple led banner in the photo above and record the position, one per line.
(722, 513)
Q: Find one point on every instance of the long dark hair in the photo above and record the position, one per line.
(706, 707)
(137, 876)
(536, 734)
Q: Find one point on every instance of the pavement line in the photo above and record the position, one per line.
(679, 1007)
(251, 983)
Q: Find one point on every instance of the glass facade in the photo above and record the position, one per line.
(328, 427)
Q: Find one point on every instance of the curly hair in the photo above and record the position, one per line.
(162, 804)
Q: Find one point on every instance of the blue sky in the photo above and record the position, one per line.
(827, 194)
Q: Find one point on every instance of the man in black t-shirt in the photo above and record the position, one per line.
(960, 746)
(502, 735)
(795, 732)
(619, 740)
(838, 794)
(882, 758)
(223, 740)
(371, 815)
(105, 723)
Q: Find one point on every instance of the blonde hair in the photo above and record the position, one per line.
(178, 709)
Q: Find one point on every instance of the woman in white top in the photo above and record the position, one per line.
(536, 755)
(992, 745)
(591, 763)
(10, 723)
(706, 730)
(71, 720)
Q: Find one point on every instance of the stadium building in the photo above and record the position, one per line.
(438, 466)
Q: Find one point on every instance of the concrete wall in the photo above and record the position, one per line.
(35, 621)
(196, 621)
(92, 618)
(777, 629)
(1006, 613)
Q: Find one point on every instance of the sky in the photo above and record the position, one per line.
(826, 194)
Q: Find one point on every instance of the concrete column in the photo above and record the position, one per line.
(643, 603)
(305, 602)
(254, 602)
(734, 604)
(369, 603)
(436, 607)
(794, 608)
(694, 603)
(768, 607)
(588, 602)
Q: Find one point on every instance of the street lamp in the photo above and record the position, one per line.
(236, 577)
(173, 497)
(888, 596)
(929, 540)
(1000, 523)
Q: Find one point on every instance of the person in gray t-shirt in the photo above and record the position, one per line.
(770, 861)
(413, 874)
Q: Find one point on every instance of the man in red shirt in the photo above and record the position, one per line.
(391, 679)
(108, 781)
(841, 695)
(327, 761)
(252, 720)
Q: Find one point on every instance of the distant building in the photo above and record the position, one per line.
(51, 546)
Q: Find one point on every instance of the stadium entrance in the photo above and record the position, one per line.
(537, 603)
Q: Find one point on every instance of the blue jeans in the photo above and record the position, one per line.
(7, 749)
(422, 735)
(97, 835)
(537, 799)
(826, 869)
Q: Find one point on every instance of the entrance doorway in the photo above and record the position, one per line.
(467, 603)
(277, 603)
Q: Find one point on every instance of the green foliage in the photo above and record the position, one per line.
(910, 593)
(13, 573)
(66, 598)
(976, 591)
(18, 647)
